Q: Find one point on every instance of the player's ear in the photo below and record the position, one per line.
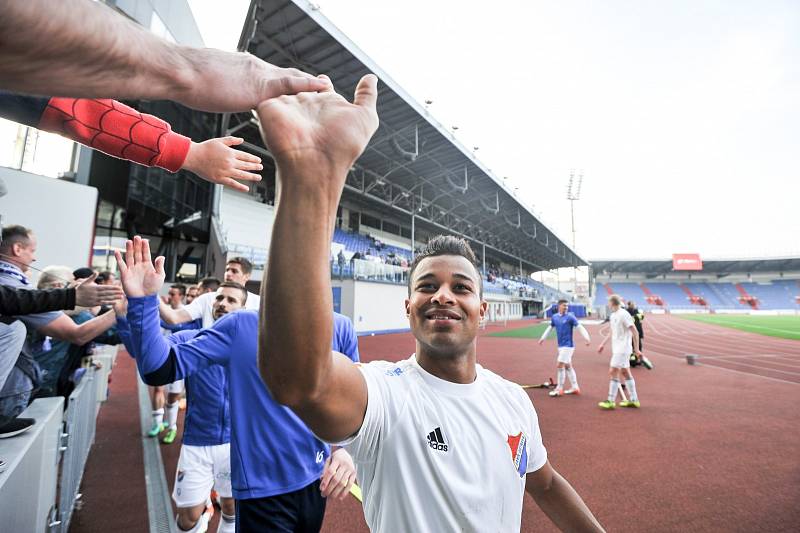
(408, 308)
(483, 308)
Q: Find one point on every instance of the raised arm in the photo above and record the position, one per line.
(27, 302)
(315, 139)
(82, 48)
(159, 360)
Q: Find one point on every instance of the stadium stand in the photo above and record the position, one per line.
(704, 291)
(671, 294)
(356, 242)
(767, 285)
(629, 291)
(776, 294)
(732, 295)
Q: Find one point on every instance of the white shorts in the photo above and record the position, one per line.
(621, 360)
(201, 468)
(565, 355)
(176, 387)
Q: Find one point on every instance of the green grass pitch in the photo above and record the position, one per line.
(528, 332)
(785, 327)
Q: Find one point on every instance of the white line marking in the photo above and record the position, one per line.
(747, 373)
(761, 368)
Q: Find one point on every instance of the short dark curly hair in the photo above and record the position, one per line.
(446, 245)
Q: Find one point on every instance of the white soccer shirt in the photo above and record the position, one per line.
(621, 321)
(202, 306)
(435, 456)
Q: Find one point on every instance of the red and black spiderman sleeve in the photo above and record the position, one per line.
(105, 125)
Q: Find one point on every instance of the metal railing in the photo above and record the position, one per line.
(39, 490)
(77, 439)
(361, 270)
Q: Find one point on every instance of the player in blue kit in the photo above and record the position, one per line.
(280, 472)
(204, 461)
(564, 323)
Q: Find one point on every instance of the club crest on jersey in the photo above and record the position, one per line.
(181, 473)
(519, 452)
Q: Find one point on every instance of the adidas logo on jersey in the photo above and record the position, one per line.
(436, 440)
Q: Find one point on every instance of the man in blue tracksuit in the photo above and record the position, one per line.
(276, 462)
(564, 322)
(204, 461)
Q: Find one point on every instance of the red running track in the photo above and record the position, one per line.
(710, 449)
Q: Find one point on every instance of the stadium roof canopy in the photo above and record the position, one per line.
(720, 267)
(413, 164)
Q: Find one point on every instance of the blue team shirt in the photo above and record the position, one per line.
(208, 414)
(272, 450)
(564, 324)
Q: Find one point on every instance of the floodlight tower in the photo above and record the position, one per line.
(573, 195)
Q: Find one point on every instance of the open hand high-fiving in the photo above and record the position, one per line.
(320, 131)
(139, 275)
(89, 294)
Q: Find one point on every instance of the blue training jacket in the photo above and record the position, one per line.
(208, 413)
(272, 450)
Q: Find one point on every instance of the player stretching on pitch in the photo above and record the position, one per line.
(205, 459)
(564, 322)
(623, 331)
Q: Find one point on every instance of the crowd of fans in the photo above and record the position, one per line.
(46, 332)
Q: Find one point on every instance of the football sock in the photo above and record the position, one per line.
(632, 390)
(613, 387)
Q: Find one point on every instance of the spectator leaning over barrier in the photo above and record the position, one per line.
(18, 252)
(58, 359)
(15, 302)
(85, 49)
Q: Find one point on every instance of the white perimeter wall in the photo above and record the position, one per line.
(378, 306)
(245, 222)
(381, 306)
(60, 213)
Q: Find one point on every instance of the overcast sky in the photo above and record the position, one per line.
(683, 115)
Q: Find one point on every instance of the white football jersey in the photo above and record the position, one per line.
(621, 340)
(437, 456)
(203, 306)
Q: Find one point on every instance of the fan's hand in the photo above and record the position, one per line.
(139, 275)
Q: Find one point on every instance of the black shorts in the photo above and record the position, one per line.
(300, 511)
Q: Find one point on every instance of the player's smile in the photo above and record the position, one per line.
(442, 317)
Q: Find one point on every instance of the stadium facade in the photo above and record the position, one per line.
(414, 180)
